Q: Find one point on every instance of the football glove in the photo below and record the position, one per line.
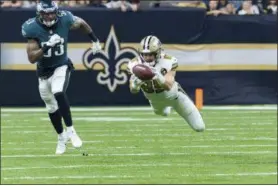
(135, 82)
(96, 47)
(158, 76)
(54, 40)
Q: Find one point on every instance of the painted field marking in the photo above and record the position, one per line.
(136, 154)
(149, 140)
(80, 109)
(141, 176)
(145, 147)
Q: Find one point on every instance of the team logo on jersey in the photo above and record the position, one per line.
(111, 62)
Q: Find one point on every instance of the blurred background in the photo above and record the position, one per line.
(227, 48)
(216, 7)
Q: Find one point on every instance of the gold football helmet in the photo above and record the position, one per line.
(150, 49)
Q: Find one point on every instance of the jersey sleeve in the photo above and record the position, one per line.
(27, 30)
(68, 17)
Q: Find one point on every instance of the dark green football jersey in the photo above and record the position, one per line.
(56, 56)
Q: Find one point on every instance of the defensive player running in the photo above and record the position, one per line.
(163, 92)
(47, 35)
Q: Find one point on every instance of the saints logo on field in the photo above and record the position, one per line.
(111, 62)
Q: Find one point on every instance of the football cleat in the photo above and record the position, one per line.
(74, 138)
(61, 145)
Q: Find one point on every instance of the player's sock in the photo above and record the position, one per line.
(70, 128)
(64, 108)
(56, 120)
(167, 111)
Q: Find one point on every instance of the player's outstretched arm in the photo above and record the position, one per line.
(34, 51)
(81, 24)
(169, 79)
(166, 80)
(134, 84)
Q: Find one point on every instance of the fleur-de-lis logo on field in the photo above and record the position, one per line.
(111, 62)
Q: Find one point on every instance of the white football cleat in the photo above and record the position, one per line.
(61, 145)
(74, 138)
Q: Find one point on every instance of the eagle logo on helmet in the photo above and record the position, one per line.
(111, 62)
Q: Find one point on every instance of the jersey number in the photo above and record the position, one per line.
(57, 50)
(151, 87)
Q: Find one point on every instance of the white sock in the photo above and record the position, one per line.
(61, 135)
(167, 111)
(70, 129)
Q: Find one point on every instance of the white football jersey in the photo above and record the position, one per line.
(151, 89)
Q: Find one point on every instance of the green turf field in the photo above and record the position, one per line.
(137, 147)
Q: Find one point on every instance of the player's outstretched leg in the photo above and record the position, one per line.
(59, 85)
(56, 121)
(186, 109)
(54, 115)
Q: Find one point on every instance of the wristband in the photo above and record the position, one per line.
(93, 37)
(45, 48)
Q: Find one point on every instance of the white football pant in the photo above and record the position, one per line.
(184, 107)
(58, 82)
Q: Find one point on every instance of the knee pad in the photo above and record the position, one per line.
(50, 103)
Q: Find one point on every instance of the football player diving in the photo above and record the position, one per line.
(162, 91)
(47, 36)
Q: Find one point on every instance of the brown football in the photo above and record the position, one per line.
(143, 72)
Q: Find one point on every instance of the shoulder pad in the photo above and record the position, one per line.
(166, 56)
(28, 29)
(169, 57)
(67, 17)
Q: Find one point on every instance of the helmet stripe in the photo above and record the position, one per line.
(148, 46)
(144, 40)
(147, 42)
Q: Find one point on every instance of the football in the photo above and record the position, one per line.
(143, 72)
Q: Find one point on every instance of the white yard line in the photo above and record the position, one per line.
(66, 177)
(157, 134)
(14, 126)
(145, 147)
(138, 176)
(164, 124)
(150, 140)
(105, 165)
(248, 174)
(115, 119)
(83, 109)
(110, 165)
(137, 154)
